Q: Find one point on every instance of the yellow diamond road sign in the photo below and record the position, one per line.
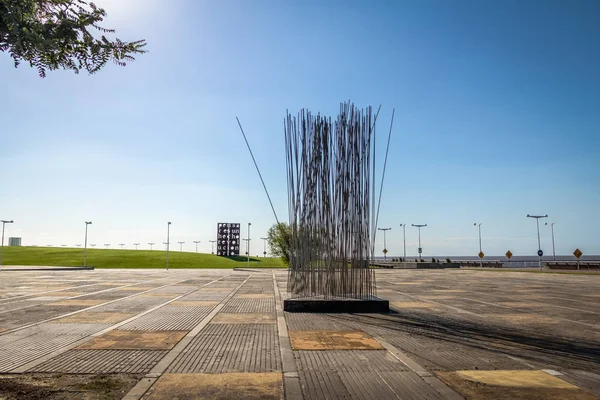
(385, 251)
(481, 254)
(577, 253)
(509, 254)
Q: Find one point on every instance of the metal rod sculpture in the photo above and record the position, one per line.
(331, 185)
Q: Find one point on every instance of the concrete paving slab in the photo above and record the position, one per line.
(94, 318)
(78, 302)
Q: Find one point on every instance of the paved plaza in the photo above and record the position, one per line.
(222, 334)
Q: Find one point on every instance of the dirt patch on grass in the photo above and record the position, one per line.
(66, 387)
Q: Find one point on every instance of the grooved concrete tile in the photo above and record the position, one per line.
(135, 340)
(348, 360)
(169, 318)
(231, 348)
(311, 322)
(242, 305)
(78, 302)
(194, 303)
(95, 318)
(246, 318)
(102, 362)
(247, 386)
(333, 340)
(163, 295)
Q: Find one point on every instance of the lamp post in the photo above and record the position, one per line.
(151, 244)
(553, 248)
(181, 246)
(384, 241)
(196, 241)
(537, 220)
(107, 245)
(212, 246)
(122, 245)
(420, 248)
(265, 246)
(480, 252)
(4, 222)
(249, 244)
(85, 241)
(136, 245)
(404, 236)
(168, 232)
(93, 244)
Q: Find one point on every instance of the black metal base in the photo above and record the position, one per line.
(336, 306)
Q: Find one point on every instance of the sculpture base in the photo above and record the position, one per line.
(336, 305)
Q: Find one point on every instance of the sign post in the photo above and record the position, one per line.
(481, 255)
(577, 253)
(540, 255)
(509, 256)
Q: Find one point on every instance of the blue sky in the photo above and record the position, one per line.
(497, 115)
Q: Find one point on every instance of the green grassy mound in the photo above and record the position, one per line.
(103, 258)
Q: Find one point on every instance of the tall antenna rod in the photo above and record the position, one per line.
(258, 170)
(384, 167)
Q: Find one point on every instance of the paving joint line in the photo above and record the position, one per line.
(291, 379)
(155, 373)
(40, 360)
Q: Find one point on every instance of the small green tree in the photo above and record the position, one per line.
(52, 34)
(278, 237)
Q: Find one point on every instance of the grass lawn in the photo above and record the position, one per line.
(103, 258)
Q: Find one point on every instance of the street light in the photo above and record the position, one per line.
(420, 248)
(78, 245)
(248, 241)
(212, 246)
(4, 222)
(181, 246)
(107, 245)
(151, 244)
(168, 227)
(85, 241)
(196, 241)
(122, 245)
(265, 247)
(93, 244)
(404, 236)
(553, 248)
(537, 220)
(384, 241)
(480, 252)
(136, 245)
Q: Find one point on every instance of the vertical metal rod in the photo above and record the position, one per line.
(85, 243)
(248, 253)
(168, 233)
